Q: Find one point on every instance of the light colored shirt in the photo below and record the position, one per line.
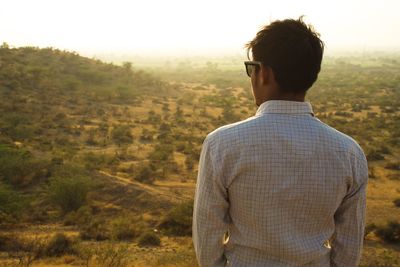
(280, 189)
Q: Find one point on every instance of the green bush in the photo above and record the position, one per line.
(149, 239)
(121, 134)
(97, 161)
(161, 153)
(18, 126)
(123, 229)
(145, 175)
(11, 203)
(389, 233)
(178, 221)
(69, 188)
(18, 167)
(59, 245)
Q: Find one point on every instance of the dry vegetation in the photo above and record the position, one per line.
(98, 162)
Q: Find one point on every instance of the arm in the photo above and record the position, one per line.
(350, 222)
(210, 215)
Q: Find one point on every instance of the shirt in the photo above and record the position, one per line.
(280, 189)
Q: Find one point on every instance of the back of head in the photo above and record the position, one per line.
(293, 50)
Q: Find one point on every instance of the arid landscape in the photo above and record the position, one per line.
(98, 161)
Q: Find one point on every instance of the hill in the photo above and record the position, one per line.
(106, 152)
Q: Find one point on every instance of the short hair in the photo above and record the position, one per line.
(292, 49)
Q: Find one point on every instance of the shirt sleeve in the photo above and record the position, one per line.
(210, 214)
(350, 221)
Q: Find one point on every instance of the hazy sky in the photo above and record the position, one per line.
(189, 26)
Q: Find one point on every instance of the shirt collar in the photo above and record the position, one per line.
(285, 107)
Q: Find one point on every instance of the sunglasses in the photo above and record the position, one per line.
(252, 66)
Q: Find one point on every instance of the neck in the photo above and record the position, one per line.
(288, 97)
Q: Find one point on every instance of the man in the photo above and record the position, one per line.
(280, 188)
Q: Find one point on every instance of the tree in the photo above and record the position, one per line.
(121, 134)
(5, 46)
(127, 65)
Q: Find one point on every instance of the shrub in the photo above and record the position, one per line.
(145, 175)
(69, 193)
(375, 155)
(57, 161)
(10, 243)
(18, 167)
(69, 169)
(94, 161)
(396, 202)
(69, 186)
(149, 239)
(11, 203)
(7, 219)
(153, 118)
(105, 255)
(80, 217)
(389, 233)
(18, 126)
(343, 114)
(95, 230)
(122, 229)
(121, 134)
(162, 152)
(29, 250)
(384, 150)
(179, 220)
(59, 245)
(147, 135)
(369, 228)
(171, 166)
(189, 162)
(38, 215)
(22, 132)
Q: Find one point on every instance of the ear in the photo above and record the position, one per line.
(266, 75)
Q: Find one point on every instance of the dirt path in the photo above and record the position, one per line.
(158, 191)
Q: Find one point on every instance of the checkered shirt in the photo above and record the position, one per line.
(280, 189)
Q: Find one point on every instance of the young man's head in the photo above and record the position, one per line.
(287, 57)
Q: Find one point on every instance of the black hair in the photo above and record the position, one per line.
(292, 49)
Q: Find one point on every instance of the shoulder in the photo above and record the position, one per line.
(230, 133)
(343, 142)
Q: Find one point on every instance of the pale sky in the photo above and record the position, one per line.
(190, 26)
